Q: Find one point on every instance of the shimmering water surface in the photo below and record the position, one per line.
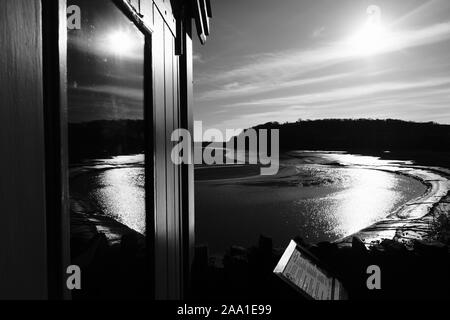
(121, 196)
(116, 187)
(313, 200)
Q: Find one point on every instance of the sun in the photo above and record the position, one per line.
(372, 38)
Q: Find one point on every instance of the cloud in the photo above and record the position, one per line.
(268, 81)
(237, 89)
(421, 100)
(419, 37)
(429, 9)
(301, 61)
(119, 91)
(317, 33)
(198, 58)
(346, 93)
(406, 78)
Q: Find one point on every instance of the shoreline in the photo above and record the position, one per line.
(284, 199)
(410, 269)
(412, 221)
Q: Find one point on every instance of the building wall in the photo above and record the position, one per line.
(172, 109)
(23, 234)
(23, 266)
(167, 180)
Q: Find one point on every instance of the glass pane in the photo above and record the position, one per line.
(106, 150)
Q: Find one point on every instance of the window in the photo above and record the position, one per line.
(107, 152)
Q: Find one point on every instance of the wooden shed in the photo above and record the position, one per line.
(65, 99)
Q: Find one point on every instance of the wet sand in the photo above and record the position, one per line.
(245, 204)
(272, 195)
(413, 220)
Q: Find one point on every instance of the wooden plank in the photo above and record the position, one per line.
(167, 221)
(176, 120)
(136, 4)
(161, 254)
(147, 12)
(133, 13)
(171, 236)
(205, 15)
(189, 106)
(55, 108)
(23, 246)
(165, 10)
(176, 125)
(64, 147)
(199, 23)
(150, 203)
(187, 170)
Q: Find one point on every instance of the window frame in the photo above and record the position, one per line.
(54, 37)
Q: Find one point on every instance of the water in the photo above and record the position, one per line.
(121, 195)
(308, 198)
(115, 186)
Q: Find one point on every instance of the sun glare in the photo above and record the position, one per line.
(120, 42)
(372, 38)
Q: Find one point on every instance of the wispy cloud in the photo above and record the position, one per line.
(237, 89)
(282, 63)
(317, 33)
(198, 58)
(406, 75)
(118, 91)
(346, 93)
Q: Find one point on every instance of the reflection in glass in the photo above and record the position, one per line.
(106, 151)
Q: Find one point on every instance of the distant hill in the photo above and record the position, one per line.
(102, 139)
(350, 134)
(105, 138)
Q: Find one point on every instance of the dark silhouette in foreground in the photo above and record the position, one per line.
(418, 272)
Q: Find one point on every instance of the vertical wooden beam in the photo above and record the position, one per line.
(23, 237)
(187, 170)
(178, 180)
(163, 117)
(170, 168)
(56, 144)
(150, 178)
(161, 247)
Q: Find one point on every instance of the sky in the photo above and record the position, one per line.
(311, 59)
(105, 60)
